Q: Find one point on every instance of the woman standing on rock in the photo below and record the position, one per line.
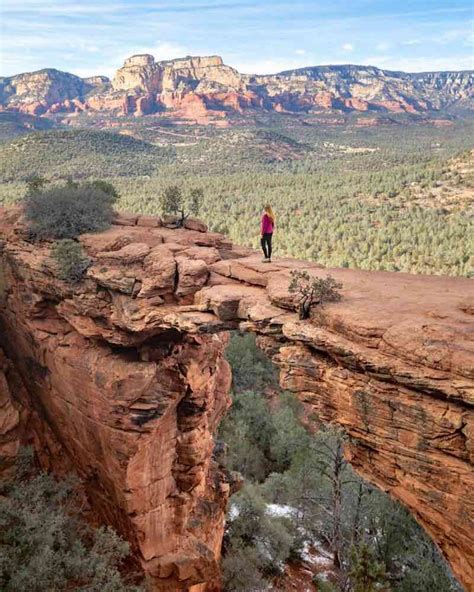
(266, 231)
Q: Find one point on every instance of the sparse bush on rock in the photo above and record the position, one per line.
(66, 211)
(70, 259)
(311, 290)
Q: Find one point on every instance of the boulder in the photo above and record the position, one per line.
(192, 275)
(112, 278)
(125, 219)
(160, 273)
(130, 253)
(150, 221)
(195, 224)
(170, 221)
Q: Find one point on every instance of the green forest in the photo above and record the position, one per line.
(301, 497)
(394, 197)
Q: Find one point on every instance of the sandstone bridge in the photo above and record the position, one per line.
(123, 379)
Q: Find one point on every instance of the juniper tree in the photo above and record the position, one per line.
(311, 290)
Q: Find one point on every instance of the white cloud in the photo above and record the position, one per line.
(300, 51)
(382, 46)
(348, 47)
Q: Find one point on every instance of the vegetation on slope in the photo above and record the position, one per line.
(302, 496)
(45, 543)
(16, 124)
(80, 154)
(389, 197)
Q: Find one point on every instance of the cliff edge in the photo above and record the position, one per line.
(125, 380)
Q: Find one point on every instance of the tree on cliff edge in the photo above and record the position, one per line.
(174, 202)
(311, 290)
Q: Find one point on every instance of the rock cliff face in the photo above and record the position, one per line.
(143, 86)
(37, 92)
(10, 415)
(126, 382)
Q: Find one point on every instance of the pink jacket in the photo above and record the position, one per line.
(266, 226)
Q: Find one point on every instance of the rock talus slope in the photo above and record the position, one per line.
(125, 376)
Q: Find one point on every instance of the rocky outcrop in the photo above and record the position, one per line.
(204, 89)
(36, 92)
(126, 375)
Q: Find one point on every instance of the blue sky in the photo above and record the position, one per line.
(89, 37)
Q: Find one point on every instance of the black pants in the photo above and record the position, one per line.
(266, 242)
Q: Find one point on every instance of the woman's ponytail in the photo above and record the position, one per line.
(269, 212)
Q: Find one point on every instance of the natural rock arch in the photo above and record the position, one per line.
(124, 380)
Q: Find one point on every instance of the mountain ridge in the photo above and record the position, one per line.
(204, 89)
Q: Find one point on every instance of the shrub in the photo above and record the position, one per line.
(35, 183)
(311, 290)
(66, 211)
(106, 188)
(70, 259)
(251, 368)
(273, 538)
(44, 545)
(240, 570)
(173, 201)
(367, 574)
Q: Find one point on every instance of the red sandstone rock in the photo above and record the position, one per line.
(195, 224)
(160, 274)
(324, 99)
(9, 419)
(356, 104)
(392, 363)
(170, 221)
(130, 253)
(192, 275)
(150, 221)
(208, 254)
(125, 219)
(144, 105)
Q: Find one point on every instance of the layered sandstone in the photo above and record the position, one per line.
(126, 375)
(175, 87)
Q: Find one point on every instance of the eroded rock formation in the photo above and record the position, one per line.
(204, 89)
(126, 380)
